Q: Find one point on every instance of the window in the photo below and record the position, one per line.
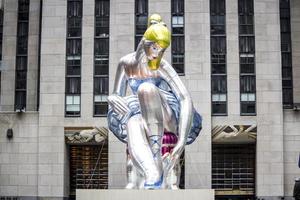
(286, 54)
(141, 20)
(73, 58)
(101, 58)
(177, 43)
(21, 55)
(247, 57)
(102, 18)
(100, 95)
(218, 57)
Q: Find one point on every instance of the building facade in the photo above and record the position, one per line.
(239, 60)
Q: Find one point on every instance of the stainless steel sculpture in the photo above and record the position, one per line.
(160, 107)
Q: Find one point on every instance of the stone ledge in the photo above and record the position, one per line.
(123, 194)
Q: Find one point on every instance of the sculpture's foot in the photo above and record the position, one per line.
(174, 187)
(130, 186)
(154, 186)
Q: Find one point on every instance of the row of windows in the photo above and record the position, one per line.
(1, 38)
(247, 57)
(286, 54)
(21, 55)
(73, 57)
(218, 57)
(177, 43)
(141, 20)
(101, 57)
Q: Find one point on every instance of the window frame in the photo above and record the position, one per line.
(179, 33)
(98, 57)
(218, 56)
(71, 57)
(250, 53)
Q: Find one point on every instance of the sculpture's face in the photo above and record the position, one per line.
(154, 54)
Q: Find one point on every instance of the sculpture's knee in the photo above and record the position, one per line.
(147, 89)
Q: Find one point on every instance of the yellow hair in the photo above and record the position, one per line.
(155, 17)
(159, 34)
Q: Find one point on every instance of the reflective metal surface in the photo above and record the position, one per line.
(159, 103)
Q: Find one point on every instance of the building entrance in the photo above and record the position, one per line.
(233, 171)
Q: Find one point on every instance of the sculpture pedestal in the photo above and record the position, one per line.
(123, 194)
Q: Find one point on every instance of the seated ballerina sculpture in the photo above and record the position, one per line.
(158, 113)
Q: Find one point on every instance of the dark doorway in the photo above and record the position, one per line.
(88, 167)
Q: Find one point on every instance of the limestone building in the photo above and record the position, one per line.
(240, 60)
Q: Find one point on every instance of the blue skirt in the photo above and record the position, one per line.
(117, 123)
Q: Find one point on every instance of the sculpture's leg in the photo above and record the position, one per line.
(152, 113)
(132, 182)
(141, 152)
(151, 109)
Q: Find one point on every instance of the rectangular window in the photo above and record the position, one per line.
(247, 57)
(73, 58)
(21, 55)
(101, 57)
(102, 18)
(177, 42)
(141, 20)
(286, 54)
(218, 57)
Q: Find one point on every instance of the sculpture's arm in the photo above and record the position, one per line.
(186, 107)
(115, 100)
(120, 80)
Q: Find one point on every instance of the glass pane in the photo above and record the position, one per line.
(101, 108)
(73, 85)
(178, 44)
(248, 108)
(223, 97)
(21, 63)
(101, 85)
(20, 100)
(22, 45)
(69, 100)
(74, 47)
(141, 24)
(102, 46)
(177, 6)
(219, 84)
(251, 97)
(74, 27)
(247, 44)
(215, 97)
(141, 7)
(73, 108)
(73, 67)
(219, 108)
(101, 65)
(76, 99)
(101, 8)
(218, 45)
(101, 98)
(244, 97)
(74, 8)
(248, 84)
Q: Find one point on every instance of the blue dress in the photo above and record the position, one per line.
(117, 123)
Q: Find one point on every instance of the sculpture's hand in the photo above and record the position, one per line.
(170, 160)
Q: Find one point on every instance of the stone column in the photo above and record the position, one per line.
(197, 81)
(121, 42)
(269, 160)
